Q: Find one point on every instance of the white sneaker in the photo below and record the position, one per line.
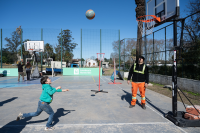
(19, 117)
(49, 128)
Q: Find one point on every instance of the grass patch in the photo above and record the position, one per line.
(156, 84)
(192, 93)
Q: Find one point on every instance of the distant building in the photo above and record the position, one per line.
(75, 61)
(91, 63)
(105, 64)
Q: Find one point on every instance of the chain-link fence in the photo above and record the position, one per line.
(59, 45)
(158, 49)
(100, 41)
(128, 53)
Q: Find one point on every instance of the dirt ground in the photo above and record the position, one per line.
(194, 98)
(108, 72)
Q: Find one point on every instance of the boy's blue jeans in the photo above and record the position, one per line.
(42, 106)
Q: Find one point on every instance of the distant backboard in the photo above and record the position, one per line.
(165, 9)
(37, 46)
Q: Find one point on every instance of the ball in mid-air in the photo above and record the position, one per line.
(90, 14)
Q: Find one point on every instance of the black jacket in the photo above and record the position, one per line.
(20, 66)
(138, 77)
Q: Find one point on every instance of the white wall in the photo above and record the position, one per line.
(93, 63)
(57, 64)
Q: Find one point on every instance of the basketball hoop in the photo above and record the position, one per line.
(100, 57)
(147, 21)
(30, 51)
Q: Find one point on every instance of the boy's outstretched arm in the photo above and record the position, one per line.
(60, 90)
(65, 90)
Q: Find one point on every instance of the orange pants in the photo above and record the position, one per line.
(135, 87)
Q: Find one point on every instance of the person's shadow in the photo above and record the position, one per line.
(155, 107)
(7, 101)
(128, 98)
(58, 114)
(17, 126)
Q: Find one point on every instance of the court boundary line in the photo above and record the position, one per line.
(102, 124)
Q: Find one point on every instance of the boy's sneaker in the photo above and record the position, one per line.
(19, 117)
(49, 128)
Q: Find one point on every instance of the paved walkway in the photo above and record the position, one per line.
(82, 111)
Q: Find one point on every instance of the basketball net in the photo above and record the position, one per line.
(146, 23)
(30, 51)
(148, 29)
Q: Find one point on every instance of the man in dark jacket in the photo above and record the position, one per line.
(20, 65)
(140, 79)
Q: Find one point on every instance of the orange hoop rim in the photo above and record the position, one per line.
(156, 19)
(30, 49)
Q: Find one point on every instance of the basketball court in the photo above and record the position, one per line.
(81, 110)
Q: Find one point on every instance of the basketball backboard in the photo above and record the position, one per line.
(165, 9)
(37, 46)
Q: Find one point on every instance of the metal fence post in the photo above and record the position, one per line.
(61, 51)
(119, 50)
(81, 50)
(165, 53)
(21, 44)
(1, 48)
(124, 52)
(153, 51)
(145, 44)
(41, 52)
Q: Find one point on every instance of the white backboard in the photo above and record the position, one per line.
(37, 46)
(165, 9)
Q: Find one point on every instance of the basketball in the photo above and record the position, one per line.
(90, 14)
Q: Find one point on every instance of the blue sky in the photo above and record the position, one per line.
(70, 14)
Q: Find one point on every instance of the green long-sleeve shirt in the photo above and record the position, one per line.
(47, 93)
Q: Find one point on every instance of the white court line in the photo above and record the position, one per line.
(145, 123)
(153, 110)
(102, 79)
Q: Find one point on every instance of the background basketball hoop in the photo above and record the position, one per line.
(146, 23)
(30, 51)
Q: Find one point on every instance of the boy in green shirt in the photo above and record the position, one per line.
(45, 99)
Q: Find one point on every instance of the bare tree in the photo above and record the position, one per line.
(192, 25)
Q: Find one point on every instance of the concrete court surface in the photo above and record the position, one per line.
(82, 111)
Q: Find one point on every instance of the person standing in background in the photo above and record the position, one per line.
(20, 65)
(28, 70)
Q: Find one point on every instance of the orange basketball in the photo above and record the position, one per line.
(90, 14)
